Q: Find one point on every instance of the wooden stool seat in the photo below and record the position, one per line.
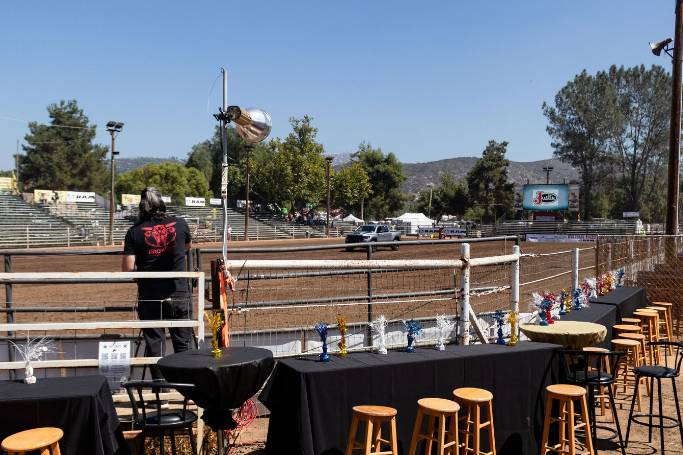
(438, 405)
(43, 439)
(626, 328)
(594, 349)
(565, 395)
(472, 400)
(472, 395)
(634, 321)
(373, 416)
(666, 333)
(650, 324)
(375, 411)
(436, 411)
(565, 390)
(669, 311)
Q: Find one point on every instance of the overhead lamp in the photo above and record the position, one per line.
(114, 126)
(660, 46)
(253, 125)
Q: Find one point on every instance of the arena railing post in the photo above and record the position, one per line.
(514, 295)
(575, 269)
(464, 329)
(9, 304)
(368, 330)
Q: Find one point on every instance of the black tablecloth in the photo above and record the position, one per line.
(625, 299)
(224, 383)
(80, 405)
(310, 402)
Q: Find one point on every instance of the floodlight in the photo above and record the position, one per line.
(114, 127)
(660, 46)
(253, 125)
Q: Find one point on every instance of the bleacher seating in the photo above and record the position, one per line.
(92, 218)
(24, 225)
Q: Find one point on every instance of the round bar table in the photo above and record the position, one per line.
(223, 384)
(570, 334)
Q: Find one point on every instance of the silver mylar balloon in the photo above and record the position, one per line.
(253, 125)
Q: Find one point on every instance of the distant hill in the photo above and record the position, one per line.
(419, 175)
(128, 164)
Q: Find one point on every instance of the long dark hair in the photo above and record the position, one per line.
(151, 204)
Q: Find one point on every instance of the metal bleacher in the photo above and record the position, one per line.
(24, 225)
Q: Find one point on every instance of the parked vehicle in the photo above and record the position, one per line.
(373, 233)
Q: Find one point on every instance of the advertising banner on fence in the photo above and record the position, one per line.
(546, 197)
(573, 198)
(166, 199)
(77, 196)
(560, 238)
(130, 199)
(6, 183)
(195, 202)
(215, 201)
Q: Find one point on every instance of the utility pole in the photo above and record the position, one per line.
(547, 170)
(675, 125)
(327, 221)
(114, 128)
(429, 209)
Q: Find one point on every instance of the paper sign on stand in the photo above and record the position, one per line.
(114, 362)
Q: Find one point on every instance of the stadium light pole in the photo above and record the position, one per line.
(114, 129)
(327, 216)
(675, 124)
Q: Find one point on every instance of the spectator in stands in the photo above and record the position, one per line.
(158, 242)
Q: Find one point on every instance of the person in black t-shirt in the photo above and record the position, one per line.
(158, 242)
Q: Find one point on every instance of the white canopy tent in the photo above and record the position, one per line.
(352, 219)
(414, 220)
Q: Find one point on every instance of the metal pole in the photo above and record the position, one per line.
(112, 202)
(9, 304)
(224, 168)
(575, 269)
(370, 316)
(246, 199)
(362, 203)
(675, 125)
(464, 329)
(514, 295)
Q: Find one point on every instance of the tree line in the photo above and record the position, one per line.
(612, 126)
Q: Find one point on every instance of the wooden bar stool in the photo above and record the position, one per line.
(618, 329)
(471, 401)
(602, 395)
(565, 395)
(665, 334)
(625, 368)
(649, 320)
(669, 310)
(437, 410)
(45, 440)
(374, 417)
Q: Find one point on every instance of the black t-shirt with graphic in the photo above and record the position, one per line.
(159, 245)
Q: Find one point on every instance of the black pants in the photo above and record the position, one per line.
(177, 306)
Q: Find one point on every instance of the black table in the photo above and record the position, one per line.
(625, 299)
(80, 405)
(310, 402)
(222, 384)
(600, 314)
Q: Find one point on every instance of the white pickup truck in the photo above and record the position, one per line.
(373, 233)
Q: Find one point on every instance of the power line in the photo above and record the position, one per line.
(3, 117)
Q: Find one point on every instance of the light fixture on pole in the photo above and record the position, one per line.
(547, 170)
(328, 159)
(114, 129)
(675, 123)
(253, 126)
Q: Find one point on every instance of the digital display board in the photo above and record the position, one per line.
(545, 197)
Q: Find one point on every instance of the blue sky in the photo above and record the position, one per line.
(427, 80)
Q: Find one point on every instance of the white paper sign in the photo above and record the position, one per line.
(195, 201)
(114, 361)
(166, 199)
(215, 201)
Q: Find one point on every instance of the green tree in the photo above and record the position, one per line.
(207, 157)
(449, 198)
(350, 185)
(487, 183)
(6, 173)
(639, 144)
(581, 124)
(386, 175)
(62, 155)
(172, 179)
